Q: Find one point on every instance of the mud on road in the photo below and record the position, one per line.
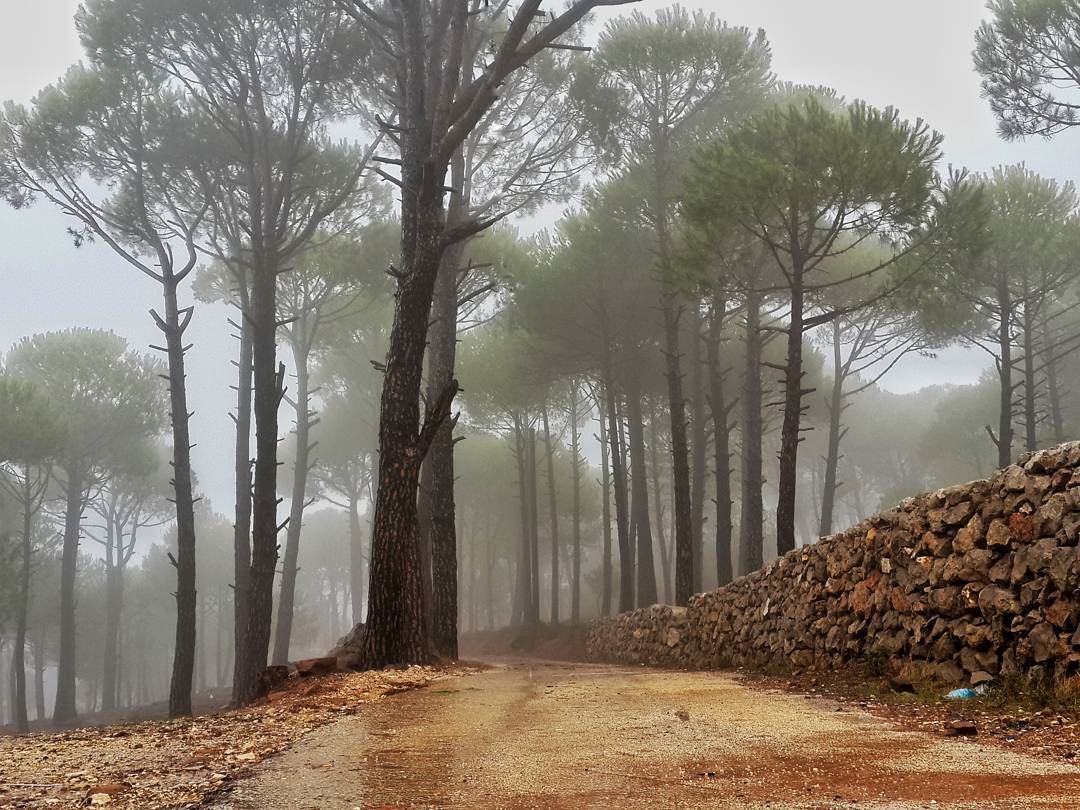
(541, 735)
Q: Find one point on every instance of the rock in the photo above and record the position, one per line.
(995, 601)
(316, 666)
(1044, 642)
(961, 728)
(683, 715)
(980, 580)
(998, 535)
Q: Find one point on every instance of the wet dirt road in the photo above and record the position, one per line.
(539, 735)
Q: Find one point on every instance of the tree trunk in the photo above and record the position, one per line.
(680, 453)
(523, 598)
(721, 441)
(832, 454)
(18, 657)
(605, 515)
(298, 501)
(1031, 389)
(575, 455)
(1004, 439)
(553, 511)
(173, 327)
(39, 676)
(639, 491)
(356, 559)
(658, 500)
(242, 514)
(114, 607)
(268, 381)
(442, 348)
(64, 711)
(791, 430)
(534, 531)
(752, 512)
(697, 481)
(396, 633)
(1053, 384)
(622, 513)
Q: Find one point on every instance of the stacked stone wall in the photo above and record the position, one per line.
(977, 580)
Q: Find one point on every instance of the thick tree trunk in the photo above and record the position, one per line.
(64, 711)
(832, 453)
(301, 466)
(575, 456)
(639, 491)
(700, 448)
(605, 515)
(721, 441)
(18, 658)
(242, 513)
(173, 327)
(553, 513)
(791, 430)
(442, 357)
(752, 512)
(268, 381)
(680, 453)
(396, 633)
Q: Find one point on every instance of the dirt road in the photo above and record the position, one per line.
(530, 735)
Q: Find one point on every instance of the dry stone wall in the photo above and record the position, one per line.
(978, 580)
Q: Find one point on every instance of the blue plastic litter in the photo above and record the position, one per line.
(961, 694)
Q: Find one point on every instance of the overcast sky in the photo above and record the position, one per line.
(914, 55)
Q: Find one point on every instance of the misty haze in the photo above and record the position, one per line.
(539, 403)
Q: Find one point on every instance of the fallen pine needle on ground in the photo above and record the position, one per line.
(181, 763)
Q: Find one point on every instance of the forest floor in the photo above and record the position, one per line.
(531, 734)
(182, 763)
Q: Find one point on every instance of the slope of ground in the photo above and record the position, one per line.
(179, 763)
(543, 735)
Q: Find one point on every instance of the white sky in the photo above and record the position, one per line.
(914, 55)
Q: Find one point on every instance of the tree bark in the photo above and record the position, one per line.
(39, 676)
(622, 513)
(605, 515)
(173, 326)
(442, 357)
(356, 560)
(1053, 385)
(1031, 388)
(64, 711)
(523, 597)
(553, 511)
(721, 440)
(575, 455)
(639, 491)
(534, 531)
(700, 448)
(658, 500)
(751, 531)
(832, 453)
(790, 431)
(396, 632)
(298, 501)
(242, 513)
(18, 660)
(1004, 439)
(268, 380)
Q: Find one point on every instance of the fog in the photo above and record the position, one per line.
(593, 464)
